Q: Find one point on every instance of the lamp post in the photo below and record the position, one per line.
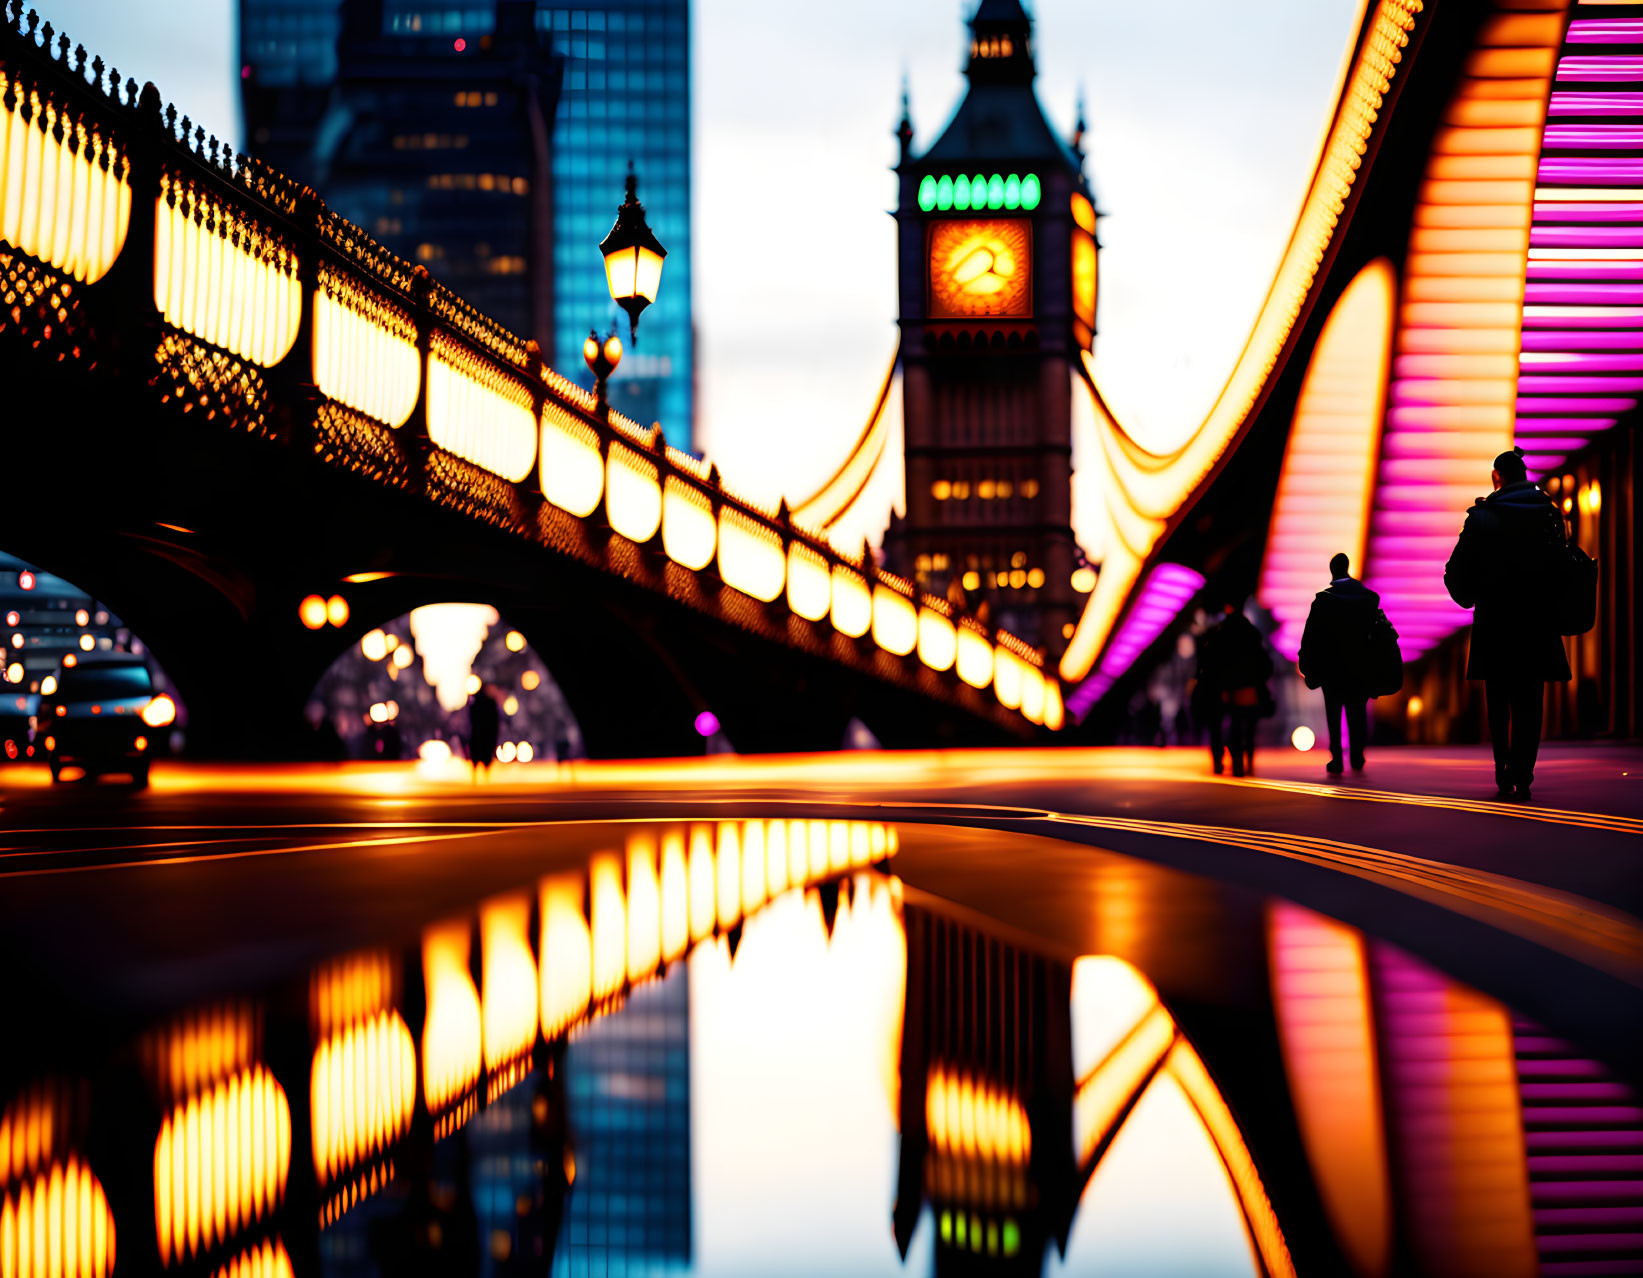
(603, 354)
(633, 258)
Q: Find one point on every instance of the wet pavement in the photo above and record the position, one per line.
(443, 1037)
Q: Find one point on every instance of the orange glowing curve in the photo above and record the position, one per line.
(832, 500)
(1109, 1092)
(1145, 490)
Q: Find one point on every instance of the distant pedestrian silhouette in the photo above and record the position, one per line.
(1504, 567)
(1335, 656)
(1233, 667)
(484, 722)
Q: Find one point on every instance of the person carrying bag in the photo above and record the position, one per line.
(1350, 650)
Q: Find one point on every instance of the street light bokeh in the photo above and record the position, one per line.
(633, 258)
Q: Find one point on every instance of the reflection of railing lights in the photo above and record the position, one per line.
(57, 1224)
(269, 1260)
(451, 1036)
(220, 1162)
(509, 1003)
(975, 1117)
(200, 1048)
(566, 950)
(362, 1091)
(609, 928)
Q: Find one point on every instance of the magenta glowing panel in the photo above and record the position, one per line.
(1168, 589)
(1581, 354)
(1450, 412)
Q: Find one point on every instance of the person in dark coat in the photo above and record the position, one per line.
(1503, 568)
(1334, 656)
(484, 723)
(1233, 665)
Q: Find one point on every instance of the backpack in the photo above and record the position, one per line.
(1383, 670)
(1574, 591)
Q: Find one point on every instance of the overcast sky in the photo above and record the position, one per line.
(1205, 119)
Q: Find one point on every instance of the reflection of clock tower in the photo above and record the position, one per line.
(997, 294)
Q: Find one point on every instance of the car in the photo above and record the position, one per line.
(17, 710)
(101, 714)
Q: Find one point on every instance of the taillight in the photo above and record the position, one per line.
(160, 711)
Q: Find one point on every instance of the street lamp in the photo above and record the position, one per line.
(633, 258)
(603, 354)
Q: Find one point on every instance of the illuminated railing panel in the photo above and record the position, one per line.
(365, 351)
(222, 275)
(479, 413)
(937, 640)
(750, 556)
(895, 620)
(974, 657)
(65, 202)
(572, 470)
(1323, 498)
(689, 532)
(809, 582)
(1454, 374)
(633, 494)
(852, 609)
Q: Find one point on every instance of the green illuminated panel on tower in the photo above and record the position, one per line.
(979, 191)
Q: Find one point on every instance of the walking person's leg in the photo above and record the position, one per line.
(1497, 697)
(1216, 718)
(1332, 711)
(1249, 716)
(1357, 727)
(1528, 706)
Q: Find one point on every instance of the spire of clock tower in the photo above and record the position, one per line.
(1000, 44)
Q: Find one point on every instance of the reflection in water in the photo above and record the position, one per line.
(201, 1047)
(362, 1087)
(220, 1162)
(450, 1038)
(508, 1007)
(834, 1048)
(266, 1261)
(1320, 995)
(56, 1223)
(1455, 1120)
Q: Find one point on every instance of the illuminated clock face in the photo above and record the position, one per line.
(981, 268)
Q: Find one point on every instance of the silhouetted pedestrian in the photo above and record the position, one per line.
(484, 722)
(1233, 667)
(1335, 656)
(1504, 567)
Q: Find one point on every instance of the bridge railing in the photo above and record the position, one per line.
(268, 309)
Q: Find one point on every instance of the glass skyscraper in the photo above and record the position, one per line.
(318, 76)
(625, 98)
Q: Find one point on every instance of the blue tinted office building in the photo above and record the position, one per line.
(624, 95)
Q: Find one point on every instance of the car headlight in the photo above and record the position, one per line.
(160, 711)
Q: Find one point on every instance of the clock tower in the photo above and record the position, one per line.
(997, 286)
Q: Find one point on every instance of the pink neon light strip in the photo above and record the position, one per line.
(1581, 313)
(1168, 589)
